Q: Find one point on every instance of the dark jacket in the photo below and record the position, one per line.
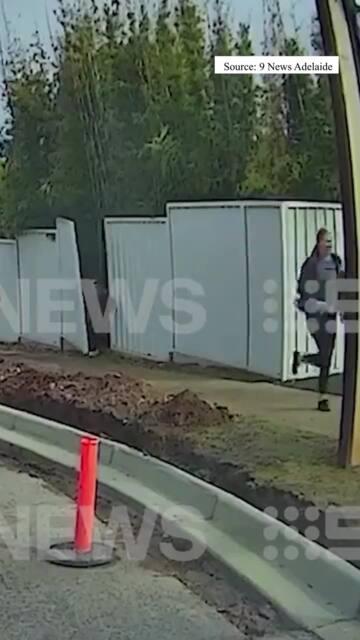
(309, 273)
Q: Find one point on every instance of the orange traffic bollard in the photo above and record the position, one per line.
(86, 495)
(82, 551)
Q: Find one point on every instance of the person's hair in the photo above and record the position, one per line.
(319, 236)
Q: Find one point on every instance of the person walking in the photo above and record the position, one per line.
(317, 292)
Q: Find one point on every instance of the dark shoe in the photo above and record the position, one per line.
(323, 405)
(296, 363)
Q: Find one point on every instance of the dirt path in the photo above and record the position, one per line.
(286, 406)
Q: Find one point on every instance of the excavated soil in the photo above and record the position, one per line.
(115, 394)
(184, 409)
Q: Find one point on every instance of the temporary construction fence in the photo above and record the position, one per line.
(139, 274)
(41, 289)
(73, 328)
(9, 296)
(216, 282)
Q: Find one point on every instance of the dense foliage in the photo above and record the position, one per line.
(125, 113)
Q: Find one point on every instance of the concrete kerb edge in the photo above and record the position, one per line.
(228, 514)
(321, 570)
(164, 479)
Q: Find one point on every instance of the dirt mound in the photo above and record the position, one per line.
(117, 393)
(185, 409)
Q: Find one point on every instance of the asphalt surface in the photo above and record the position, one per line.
(40, 601)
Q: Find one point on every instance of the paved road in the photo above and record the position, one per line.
(39, 601)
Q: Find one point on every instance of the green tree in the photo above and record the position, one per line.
(270, 167)
(28, 138)
(299, 97)
(323, 165)
(234, 110)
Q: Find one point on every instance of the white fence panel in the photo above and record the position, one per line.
(209, 257)
(9, 292)
(139, 277)
(38, 264)
(265, 269)
(73, 323)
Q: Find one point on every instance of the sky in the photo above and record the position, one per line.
(25, 16)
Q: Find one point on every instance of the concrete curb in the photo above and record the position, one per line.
(315, 593)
